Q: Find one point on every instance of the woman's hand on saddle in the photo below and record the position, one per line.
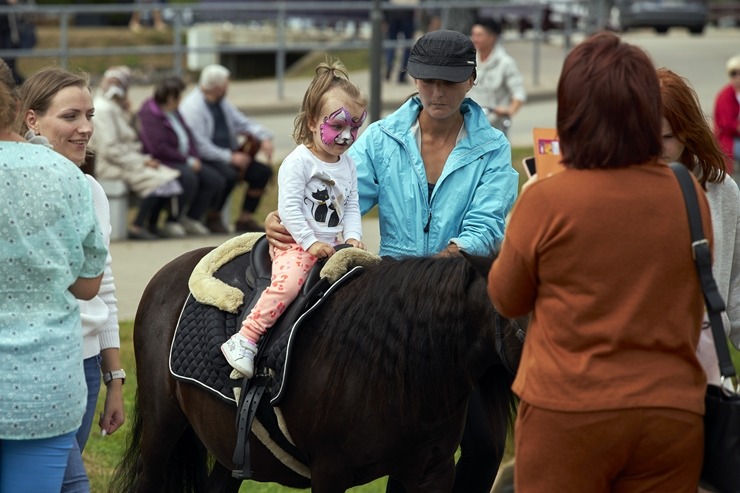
(356, 243)
(321, 250)
(452, 250)
(276, 233)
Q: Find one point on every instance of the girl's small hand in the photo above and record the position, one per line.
(356, 243)
(321, 250)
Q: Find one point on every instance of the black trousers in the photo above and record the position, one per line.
(257, 176)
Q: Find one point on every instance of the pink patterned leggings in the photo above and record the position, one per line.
(289, 270)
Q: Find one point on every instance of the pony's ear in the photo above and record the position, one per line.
(481, 264)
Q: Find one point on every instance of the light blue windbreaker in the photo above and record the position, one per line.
(470, 201)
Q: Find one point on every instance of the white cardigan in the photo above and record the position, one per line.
(100, 314)
(724, 205)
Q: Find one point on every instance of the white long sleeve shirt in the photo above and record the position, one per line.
(100, 314)
(318, 201)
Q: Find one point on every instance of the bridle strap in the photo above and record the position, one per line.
(499, 341)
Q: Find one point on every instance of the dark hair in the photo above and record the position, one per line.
(489, 24)
(609, 111)
(8, 97)
(681, 108)
(168, 87)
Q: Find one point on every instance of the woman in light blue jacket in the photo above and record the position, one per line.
(442, 179)
(465, 207)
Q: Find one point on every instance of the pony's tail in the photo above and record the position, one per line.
(186, 470)
(124, 477)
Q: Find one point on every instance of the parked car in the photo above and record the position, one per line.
(663, 14)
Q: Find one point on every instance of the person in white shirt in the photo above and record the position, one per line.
(499, 87)
(317, 201)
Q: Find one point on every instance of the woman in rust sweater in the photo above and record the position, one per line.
(612, 394)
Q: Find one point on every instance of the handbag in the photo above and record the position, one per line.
(721, 469)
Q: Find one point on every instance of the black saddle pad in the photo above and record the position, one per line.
(196, 355)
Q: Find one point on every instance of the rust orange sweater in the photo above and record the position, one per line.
(603, 259)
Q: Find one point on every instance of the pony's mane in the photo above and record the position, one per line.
(404, 324)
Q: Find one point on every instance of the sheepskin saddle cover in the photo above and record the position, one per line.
(223, 288)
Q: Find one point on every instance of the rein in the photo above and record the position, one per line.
(499, 342)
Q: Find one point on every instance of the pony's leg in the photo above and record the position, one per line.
(221, 481)
(330, 475)
(439, 479)
(160, 435)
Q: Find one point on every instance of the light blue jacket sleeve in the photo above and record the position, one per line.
(493, 197)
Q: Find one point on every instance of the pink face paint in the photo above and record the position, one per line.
(341, 127)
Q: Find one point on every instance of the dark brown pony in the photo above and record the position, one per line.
(378, 386)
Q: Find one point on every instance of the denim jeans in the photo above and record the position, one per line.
(34, 466)
(75, 477)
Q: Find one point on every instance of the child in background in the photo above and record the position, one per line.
(317, 201)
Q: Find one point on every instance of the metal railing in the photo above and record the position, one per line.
(279, 15)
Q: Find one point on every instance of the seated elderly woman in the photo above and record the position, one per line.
(119, 156)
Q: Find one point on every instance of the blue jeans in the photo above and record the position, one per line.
(34, 466)
(75, 477)
(736, 149)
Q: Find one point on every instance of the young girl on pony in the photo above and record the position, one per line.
(317, 201)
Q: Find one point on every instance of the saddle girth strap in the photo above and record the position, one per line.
(252, 390)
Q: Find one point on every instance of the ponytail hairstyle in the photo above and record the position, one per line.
(330, 75)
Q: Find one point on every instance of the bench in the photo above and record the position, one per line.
(118, 198)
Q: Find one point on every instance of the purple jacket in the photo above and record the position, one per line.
(158, 136)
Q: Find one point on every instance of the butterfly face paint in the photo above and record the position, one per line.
(341, 127)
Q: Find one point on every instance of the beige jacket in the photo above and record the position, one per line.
(118, 153)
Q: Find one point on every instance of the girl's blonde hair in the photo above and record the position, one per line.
(330, 75)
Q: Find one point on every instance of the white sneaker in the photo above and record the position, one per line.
(239, 352)
(172, 230)
(194, 227)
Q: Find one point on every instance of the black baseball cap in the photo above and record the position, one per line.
(442, 55)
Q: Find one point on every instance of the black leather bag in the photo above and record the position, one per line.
(721, 469)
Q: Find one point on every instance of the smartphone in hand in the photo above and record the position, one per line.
(529, 166)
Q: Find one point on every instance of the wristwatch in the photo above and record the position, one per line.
(111, 375)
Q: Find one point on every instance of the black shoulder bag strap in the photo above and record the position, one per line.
(703, 258)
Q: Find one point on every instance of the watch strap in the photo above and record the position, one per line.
(112, 375)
